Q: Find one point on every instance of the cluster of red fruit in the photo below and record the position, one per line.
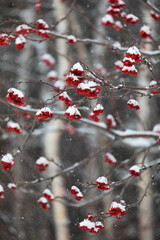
(43, 201)
(94, 115)
(102, 184)
(77, 193)
(132, 57)
(90, 226)
(118, 209)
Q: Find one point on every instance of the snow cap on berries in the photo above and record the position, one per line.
(131, 19)
(145, 32)
(12, 186)
(48, 194)
(52, 76)
(133, 104)
(135, 170)
(43, 202)
(15, 96)
(102, 183)
(20, 42)
(13, 127)
(77, 69)
(72, 113)
(64, 97)
(44, 113)
(42, 163)
(110, 121)
(48, 60)
(129, 69)
(98, 109)
(41, 24)
(71, 39)
(23, 29)
(1, 193)
(110, 159)
(107, 20)
(7, 161)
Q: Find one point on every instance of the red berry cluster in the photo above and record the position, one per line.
(135, 171)
(117, 209)
(76, 75)
(102, 184)
(96, 112)
(15, 96)
(44, 113)
(42, 163)
(133, 104)
(73, 113)
(65, 98)
(132, 57)
(1, 193)
(7, 161)
(90, 226)
(110, 159)
(13, 127)
(77, 193)
(110, 121)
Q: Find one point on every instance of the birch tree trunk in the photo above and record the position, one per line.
(145, 209)
(52, 140)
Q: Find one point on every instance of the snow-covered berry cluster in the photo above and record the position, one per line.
(77, 193)
(110, 159)
(41, 163)
(117, 209)
(133, 56)
(102, 184)
(90, 226)
(7, 161)
(15, 96)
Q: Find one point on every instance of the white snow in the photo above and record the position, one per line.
(59, 84)
(52, 74)
(41, 21)
(15, 92)
(43, 200)
(133, 102)
(78, 67)
(135, 168)
(23, 27)
(156, 128)
(111, 157)
(8, 158)
(65, 95)
(72, 110)
(134, 50)
(74, 188)
(129, 68)
(48, 57)
(1, 189)
(13, 125)
(42, 160)
(45, 109)
(72, 38)
(11, 185)
(146, 29)
(102, 180)
(133, 17)
(87, 223)
(107, 18)
(98, 107)
(20, 40)
(48, 192)
(152, 83)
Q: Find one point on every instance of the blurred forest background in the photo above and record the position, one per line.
(20, 215)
